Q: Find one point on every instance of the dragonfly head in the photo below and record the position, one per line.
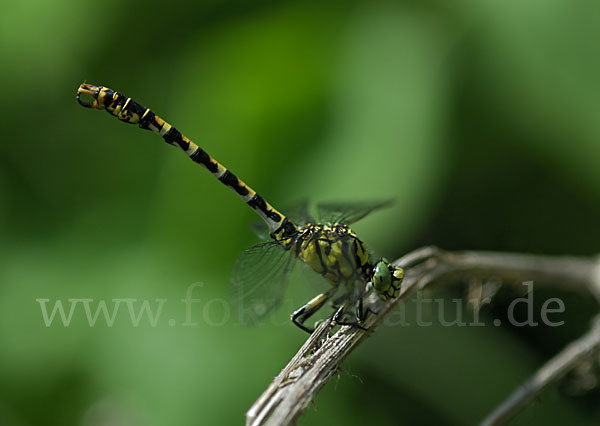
(386, 279)
(102, 96)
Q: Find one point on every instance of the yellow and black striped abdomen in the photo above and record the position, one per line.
(130, 111)
(334, 252)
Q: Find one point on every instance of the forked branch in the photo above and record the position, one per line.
(319, 358)
(569, 358)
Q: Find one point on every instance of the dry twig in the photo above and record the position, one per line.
(321, 355)
(570, 357)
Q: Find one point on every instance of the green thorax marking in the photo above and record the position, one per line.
(334, 252)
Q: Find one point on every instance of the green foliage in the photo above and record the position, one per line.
(478, 118)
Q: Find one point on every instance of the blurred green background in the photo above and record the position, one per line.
(480, 118)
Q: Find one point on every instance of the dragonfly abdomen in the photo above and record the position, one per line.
(130, 111)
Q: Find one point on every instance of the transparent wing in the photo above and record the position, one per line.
(261, 229)
(348, 212)
(258, 280)
(298, 213)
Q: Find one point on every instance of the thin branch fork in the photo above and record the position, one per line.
(570, 357)
(320, 357)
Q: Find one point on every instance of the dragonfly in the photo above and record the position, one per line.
(327, 246)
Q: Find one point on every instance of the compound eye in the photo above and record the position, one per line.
(381, 278)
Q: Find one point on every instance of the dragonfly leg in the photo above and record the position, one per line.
(361, 313)
(302, 314)
(339, 315)
(339, 301)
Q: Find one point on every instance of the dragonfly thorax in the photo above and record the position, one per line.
(333, 251)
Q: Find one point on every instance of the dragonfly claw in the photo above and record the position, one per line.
(91, 90)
